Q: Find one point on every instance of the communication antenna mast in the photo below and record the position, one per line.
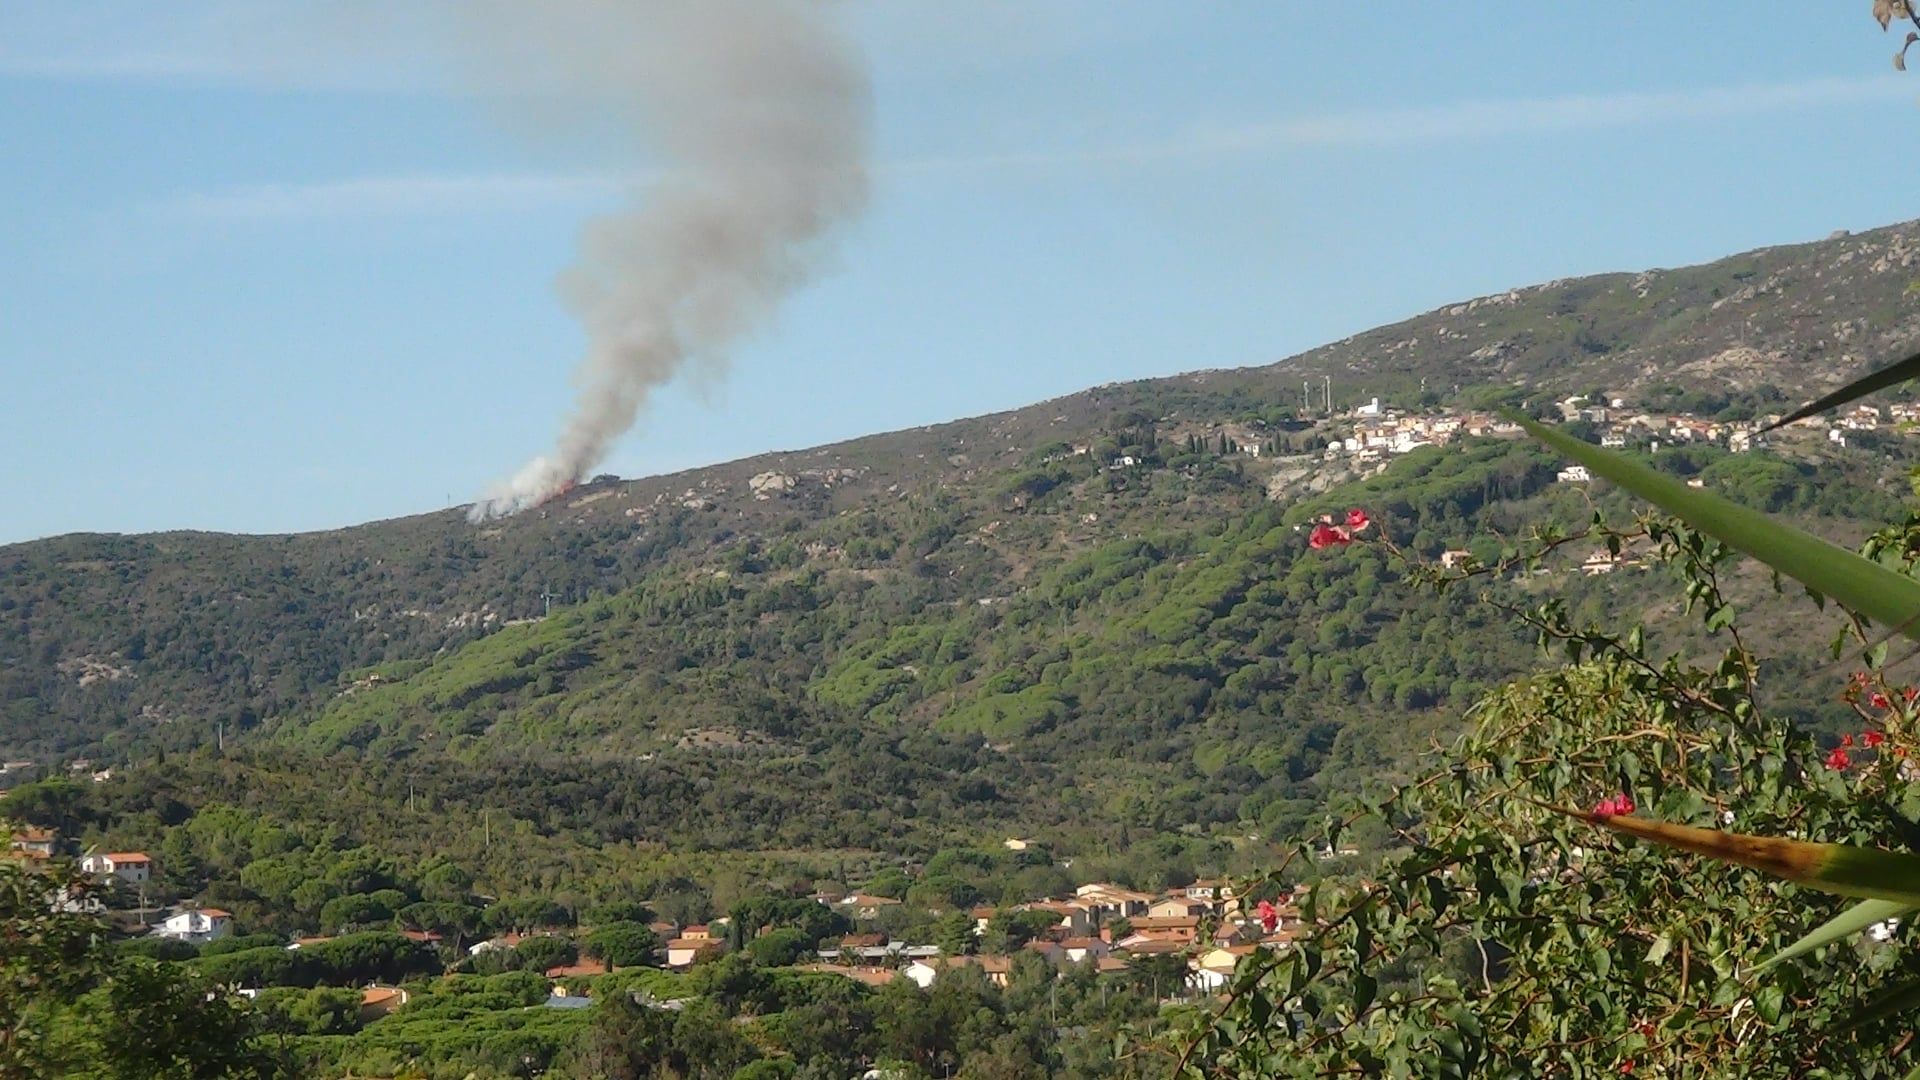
(549, 596)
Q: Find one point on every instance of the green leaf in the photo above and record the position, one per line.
(1887, 376)
(1898, 998)
(1846, 924)
(1364, 989)
(1862, 585)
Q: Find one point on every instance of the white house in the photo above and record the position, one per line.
(1573, 474)
(198, 926)
(1212, 972)
(1081, 949)
(132, 867)
(685, 952)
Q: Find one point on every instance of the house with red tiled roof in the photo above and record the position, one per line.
(1211, 971)
(1179, 907)
(1142, 946)
(1179, 928)
(34, 841)
(868, 907)
(583, 966)
(684, 952)
(925, 972)
(132, 867)
(1080, 949)
(981, 917)
(198, 926)
(378, 1001)
(1209, 889)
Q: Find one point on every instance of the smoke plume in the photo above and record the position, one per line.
(755, 114)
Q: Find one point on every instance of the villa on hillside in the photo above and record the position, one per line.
(197, 926)
(132, 867)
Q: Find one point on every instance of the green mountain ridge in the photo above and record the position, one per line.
(1000, 605)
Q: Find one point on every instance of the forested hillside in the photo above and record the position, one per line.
(123, 642)
(952, 623)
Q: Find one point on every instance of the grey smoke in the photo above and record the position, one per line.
(754, 115)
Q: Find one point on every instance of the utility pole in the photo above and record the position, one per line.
(549, 596)
(1329, 379)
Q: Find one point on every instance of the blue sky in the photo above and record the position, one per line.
(267, 272)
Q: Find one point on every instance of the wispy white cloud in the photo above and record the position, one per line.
(395, 195)
(455, 193)
(1456, 121)
(1449, 122)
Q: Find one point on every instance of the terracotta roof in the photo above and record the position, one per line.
(863, 941)
(35, 836)
(1169, 922)
(1153, 948)
(693, 943)
(1080, 943)
(380, 995)
(1110, 963)
(858, 900)
(128, 856)
(992, 965)
(216, 913)
(583, 967)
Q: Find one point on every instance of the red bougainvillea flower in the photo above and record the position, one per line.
(1872, 740)
(1269, 917)
(1620, 803)
(1327, 536)
(1838, 759)
(1846, 740)
(1879, 701)
(1626, 1067)
(1357, 519)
